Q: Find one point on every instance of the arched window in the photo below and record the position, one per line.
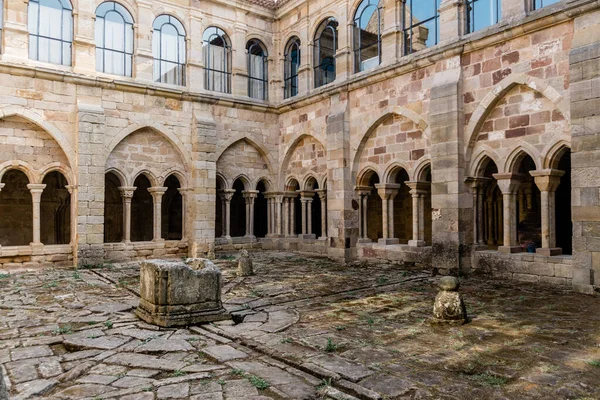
(537, 4)
(325, 48)
(114, 39)
(482, 13)
(257, 70)
(217, 60)
(421, 21)
(292, 65)
(168, 48)
(367, 35)
(50, 24)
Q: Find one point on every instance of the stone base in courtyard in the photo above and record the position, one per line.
(180, 294)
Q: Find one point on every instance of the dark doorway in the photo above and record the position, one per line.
(172, 210)
(260, 211)
(564, 222)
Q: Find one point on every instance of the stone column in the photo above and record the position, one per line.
(478, 186)
(286, 216)
(36, 198)
(418, 191)
(509, 185)
(184, 212)
(323, 198)
(279, 215)
(547, 181)
(127, 195)
(270, 196)
(293, 215)
(250, 196)
(157, 194)
(452, 20)
(306, 197)
(490, 221)
(227, 195)
(513, 9)
(387, 192)
(363, 195)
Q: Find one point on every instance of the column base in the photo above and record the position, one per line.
(307, 237)
(510, 249)
(158, 240)
(417, 243)
(388, 242)
(365, 240)
(556, 251)
(37, 247)
(277, 236)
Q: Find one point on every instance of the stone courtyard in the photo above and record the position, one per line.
(303, 328)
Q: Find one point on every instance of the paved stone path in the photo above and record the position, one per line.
(303, 328)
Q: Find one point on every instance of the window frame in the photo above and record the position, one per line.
(227, 59)
(264, 80)
(126, 25)
(288, 77)
(407, 31)
(181, 35)
(470, 15)
(356, 29)
(326, 24)
(66, 6)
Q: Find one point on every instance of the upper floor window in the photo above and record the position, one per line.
(421, 21)
(50, 24)
(114, 39)
(537, 4)
(257, 69)
(217, 60)
(168, 49)
(482, 13)
(291, 67)
(1, 18)
(367, 35)
(325, 48)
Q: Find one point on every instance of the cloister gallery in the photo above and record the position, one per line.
(458, 134)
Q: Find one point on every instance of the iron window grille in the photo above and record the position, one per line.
(292, 65)
(420, 21)
(257, 70)
(325, 49)
(168, 48)
(482, 13)
(217, 60)
(114, 39)
(50, 24)
(367, 35)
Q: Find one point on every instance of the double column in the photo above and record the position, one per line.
(274, 214)
(478, 186)
(509, 186)
(547, 182)
(306, 198)
(250, 196)
(157, 194)
(226, 196)
(363, 197)
(388, 192)
(419, 191)
(323, 199)
(126, 196)
(289, 214)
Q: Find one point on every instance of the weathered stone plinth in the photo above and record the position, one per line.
(245, 267)
(449, 306)
(180, 294)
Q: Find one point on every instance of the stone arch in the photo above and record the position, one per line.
(517, 155)
(63, 142)
(291, 150)
(480, 161)
(266, 182)
(377, 121)
(307, 181)
(498, 92)
(392, 169)
(317, 22)
(247, 182)
(120, 175)
(175, 13)
(258, 146)
(420, 170)
(292, 182)
(153, 180)
(222, 181)
(32, 175)
(173, 172)
(155, 127)
(553, 153)
(324, 182)
(365, 175)
(129, 5)
(57, 167)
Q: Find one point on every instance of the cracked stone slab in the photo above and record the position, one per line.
(349, 370)
(224, 353)
(110, 308)
(34, 388)
(164, 346)
(145, 361)
(23, 353)
(102, 343)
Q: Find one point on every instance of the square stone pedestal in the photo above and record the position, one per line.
(180, 294)
(557, 251)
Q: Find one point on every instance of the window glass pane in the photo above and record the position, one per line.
(128, 65)
(33, 45)
(32, 17)
(99, 59)
(114, 37)
(423, 9)
(67, 26)
(129, 39)
(169, 45)
(66, 54)
(156, 44)
(544, 3)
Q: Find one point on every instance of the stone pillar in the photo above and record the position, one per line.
(293, 215)
(143, 58)
(239, 59)
(478, 186)
(509, 185)
(306, 197)
(452, 20)
(387, 192)
(585, 150)
(36, 198)
(286, 216)
(278, 210)
(157, 194)
(127, 195)
(323, 198)
(270, 197)
(250, 196)
(391, 33)
(418, 191)
(363, 194)
(15, 31)
(185, 193)
(514, 9)
(547, 181)
(227, 195)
